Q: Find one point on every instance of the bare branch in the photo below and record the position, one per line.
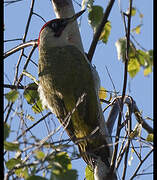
(116, 109)
(26, 64)
(124, 89)
(140, 164)
(28, 129)
(18, 87)
(19, 47)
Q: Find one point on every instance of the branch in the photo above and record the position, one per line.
(19, 47)
(28, 129)
(128, 100)
(99, 30)
(124, 89)
(19, 87)
(140, 164)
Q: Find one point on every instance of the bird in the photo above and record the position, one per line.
(68, 86)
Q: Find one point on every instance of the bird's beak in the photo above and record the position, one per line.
(75, 16)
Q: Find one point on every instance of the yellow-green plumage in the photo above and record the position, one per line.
(64, 77)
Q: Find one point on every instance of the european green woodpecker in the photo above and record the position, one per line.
(66, 75)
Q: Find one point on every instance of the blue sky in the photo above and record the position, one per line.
(141, 88)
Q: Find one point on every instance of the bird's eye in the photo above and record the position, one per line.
(54, 25)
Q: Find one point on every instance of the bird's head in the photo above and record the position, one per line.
(55, 32)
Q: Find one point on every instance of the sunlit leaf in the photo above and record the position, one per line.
(11, 146)
(136, 132)
(64, 160)
(6, 131)
(106, 32)
(121, 46)
(137, 29)
(150, 137)
(12, 95)
(12, 163)
(31, 96)
(67, 175)
(89, 174)
(133, 67)
(62, 168)
(90, 3)
(150, 53)
(22, 172)
(37, 107)
(133, 11)
(147, 71)
(142, 57)
(39, 155)
(95, 16)
(102, 93)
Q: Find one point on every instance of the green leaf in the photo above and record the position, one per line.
(136, 132)
(62, 161)
(67, 175)
(36, 178)
(137, 29)
(61, 167)
(150, 53)
(6, 131)
(106, 32)
(102, 93)
(39, 155)
(31, 96)
(90, 3)
(150, 137)
(37, 107)
(121, 49)
(12, 95)
(12, 163)
(22, 172)
(89, 174)
(95, 16)
(11, 146)
(133, 67)
(147, 71)
(141, 56)
(133, 11)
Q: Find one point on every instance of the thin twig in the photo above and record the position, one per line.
(26, 64)
(129, 122)
(24, 132)
(124, 89)
(140, 164)
(20, 47)
(19, 87)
